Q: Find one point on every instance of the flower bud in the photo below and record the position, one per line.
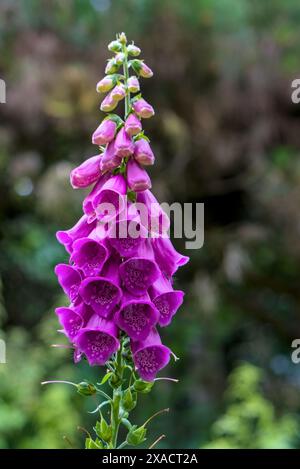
(118, 93)
(104, 133)
(108, 103)
(86, 389)
(119, 58)
(103, 430)
(114, 46)
(133, 84)
(129, 400)
(123, 38)
(137, 178)
(112, 66)
(124, 146)
(105, 84)
(141, 68)
(86, 173)
(142, 386)
(136, 435)
(133, 50)
(133, 125)
(143, 153)
(143, 109)
(91, 444)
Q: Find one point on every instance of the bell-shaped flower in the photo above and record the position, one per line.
(166, 256)
(73, 319)
(87, 173)
(118, 93)
(150, 356)
(124, 145)
(133, 84)
(109, 201)
(105, 84)
(137, 177)
(133, 125)
(166, 300)
(87, 205)
(109, 103)
(126, 236)
(89, 256)
(109, 158)
(105, 132)
(69, 279)
(142, 108)
(81, 229)
(103, 293)
(98, 340)
(143, 153)
(153, 217)
(136, 316)
(140, 271)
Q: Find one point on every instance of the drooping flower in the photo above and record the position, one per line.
(136, 316)
(133, 125)
(166, 300)
(86, 173)
(133, 84)
(89, 256)
(143, 153)
(98, 340)
(141, 271)
(126, 236)
(124, 146)
(105, 84)
(166, 256)
(88, 203)
(73, 319)
(143, 109)
(103, 293)
(105, 132)
(154, 218)
(150, 356)
(109, 201)
(137, 177)
(109, 158)
(118, 93)
(108, 104)
(69, 279)
(81, 229)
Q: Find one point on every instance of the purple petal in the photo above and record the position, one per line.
(109, 158)
(166, 300)
(124, 146)
(71, 321)
(69, 279)
(166, 256)
(88, 205)
(89, 256)
(137, 178)
(80, 230)
(154, 218)
(150, 356)
(126, 236)
(109, 201)
(87, 173)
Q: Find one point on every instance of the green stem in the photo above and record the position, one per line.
(126, 75)
(116, 400)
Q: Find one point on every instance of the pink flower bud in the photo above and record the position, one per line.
(112, 66)
(108, 103)
(133, 125)
(133, 50)
(145, 71)
(119, 58)
(143, 153)
(118, 93)
(143, 109)
(137, 178)
(124, 146)
(104, 133)
(114, 46)
(87, 173)
(109, 158)
(133, 84)
(105, 84)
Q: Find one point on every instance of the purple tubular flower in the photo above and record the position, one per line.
(133, 84)
(105, 132)
(89, 256)
(109, 158)
(126, 236)
(87, 173)
(98, 340)
(150, 356)
(109, 200)
(87, 204)
(136, 316)
(141, 271)
(155, 220)
(166, 300)
(69, 279)
(143, 153)
(80, 230)
(133, 125)
(103, 293)
(118, 93)
(73, 319)
(137, 178)
(143, 109)
(124, 146)
(108, 103)
(166, 256)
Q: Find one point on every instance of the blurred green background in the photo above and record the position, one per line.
(225, 133)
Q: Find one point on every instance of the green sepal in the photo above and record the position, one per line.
(103, 430)
(115, 46)
(129, 400)
(136, 435)
(86, 389)
(136, 64)
(142, 386)
(105, 378)
(91, 444)
(141, 135)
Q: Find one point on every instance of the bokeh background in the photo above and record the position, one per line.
(225, 133)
